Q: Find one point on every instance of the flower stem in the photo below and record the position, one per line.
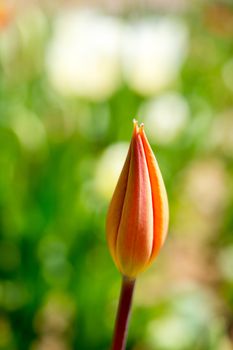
(123, 313)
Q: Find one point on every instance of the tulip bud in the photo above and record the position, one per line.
(137, 219)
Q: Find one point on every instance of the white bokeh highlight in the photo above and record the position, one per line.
(90, 54)
(165, 117)
(154, 50)
(109, 167)
(83, 56)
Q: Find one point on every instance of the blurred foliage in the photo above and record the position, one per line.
(58, 285)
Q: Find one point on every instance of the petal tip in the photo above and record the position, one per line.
(141, 127)
(136, 127)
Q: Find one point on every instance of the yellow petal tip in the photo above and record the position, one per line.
(136, 128)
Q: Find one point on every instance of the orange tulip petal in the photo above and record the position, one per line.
(116, 207)
(137, 219)
(159, 197)
(135, 234)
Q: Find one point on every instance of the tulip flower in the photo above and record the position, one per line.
(137, 222)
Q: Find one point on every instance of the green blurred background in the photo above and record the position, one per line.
(72, 78)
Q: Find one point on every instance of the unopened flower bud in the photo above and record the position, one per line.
(137, 219)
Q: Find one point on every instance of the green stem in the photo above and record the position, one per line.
(123, 313)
